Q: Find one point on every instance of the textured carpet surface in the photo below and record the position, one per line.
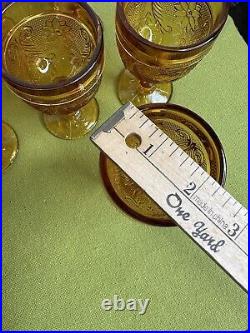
(66, 246)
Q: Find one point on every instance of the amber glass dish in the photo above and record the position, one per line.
(53, 59)
(192, 134)
(160, 42)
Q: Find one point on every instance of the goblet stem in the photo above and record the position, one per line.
(142, 92)
(74, 125)
(145, 88)
(9, 146)
(146, 85)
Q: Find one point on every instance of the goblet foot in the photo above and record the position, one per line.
(74, 125)
(130, 89)
(9, 146)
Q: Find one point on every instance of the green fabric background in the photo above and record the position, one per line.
(67, 247)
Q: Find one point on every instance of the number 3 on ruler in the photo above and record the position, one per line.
(233, 232)
(191, 187)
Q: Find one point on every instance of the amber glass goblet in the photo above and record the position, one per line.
(53, 59)
(160, 42)
(9, 146)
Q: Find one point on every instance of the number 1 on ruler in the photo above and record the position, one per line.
(198, 204)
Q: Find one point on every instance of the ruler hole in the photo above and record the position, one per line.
(133, 140)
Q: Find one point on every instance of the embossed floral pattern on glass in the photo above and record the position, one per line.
(53, 59)
(160, 42)
(49, 50)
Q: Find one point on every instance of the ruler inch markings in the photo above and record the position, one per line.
(184, 161)
(133, 115)
(143, 123)
(173, 151)
(195, 170)
(158, 147)
(197, 203)
(238, 211)
(226, 201)
(216, 190)
(182, 152)
(191, 201)
(241, 231)
(199, 187)
(153, 132)
(118, 132)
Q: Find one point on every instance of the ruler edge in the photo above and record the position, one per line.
(115, 118)
(106, 127)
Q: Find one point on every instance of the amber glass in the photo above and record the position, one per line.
(160, 42)
(9, 146)
(53, 59)
(192, 134)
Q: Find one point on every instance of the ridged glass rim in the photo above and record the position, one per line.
(83, 73)
(189, 47)
(183, 110)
